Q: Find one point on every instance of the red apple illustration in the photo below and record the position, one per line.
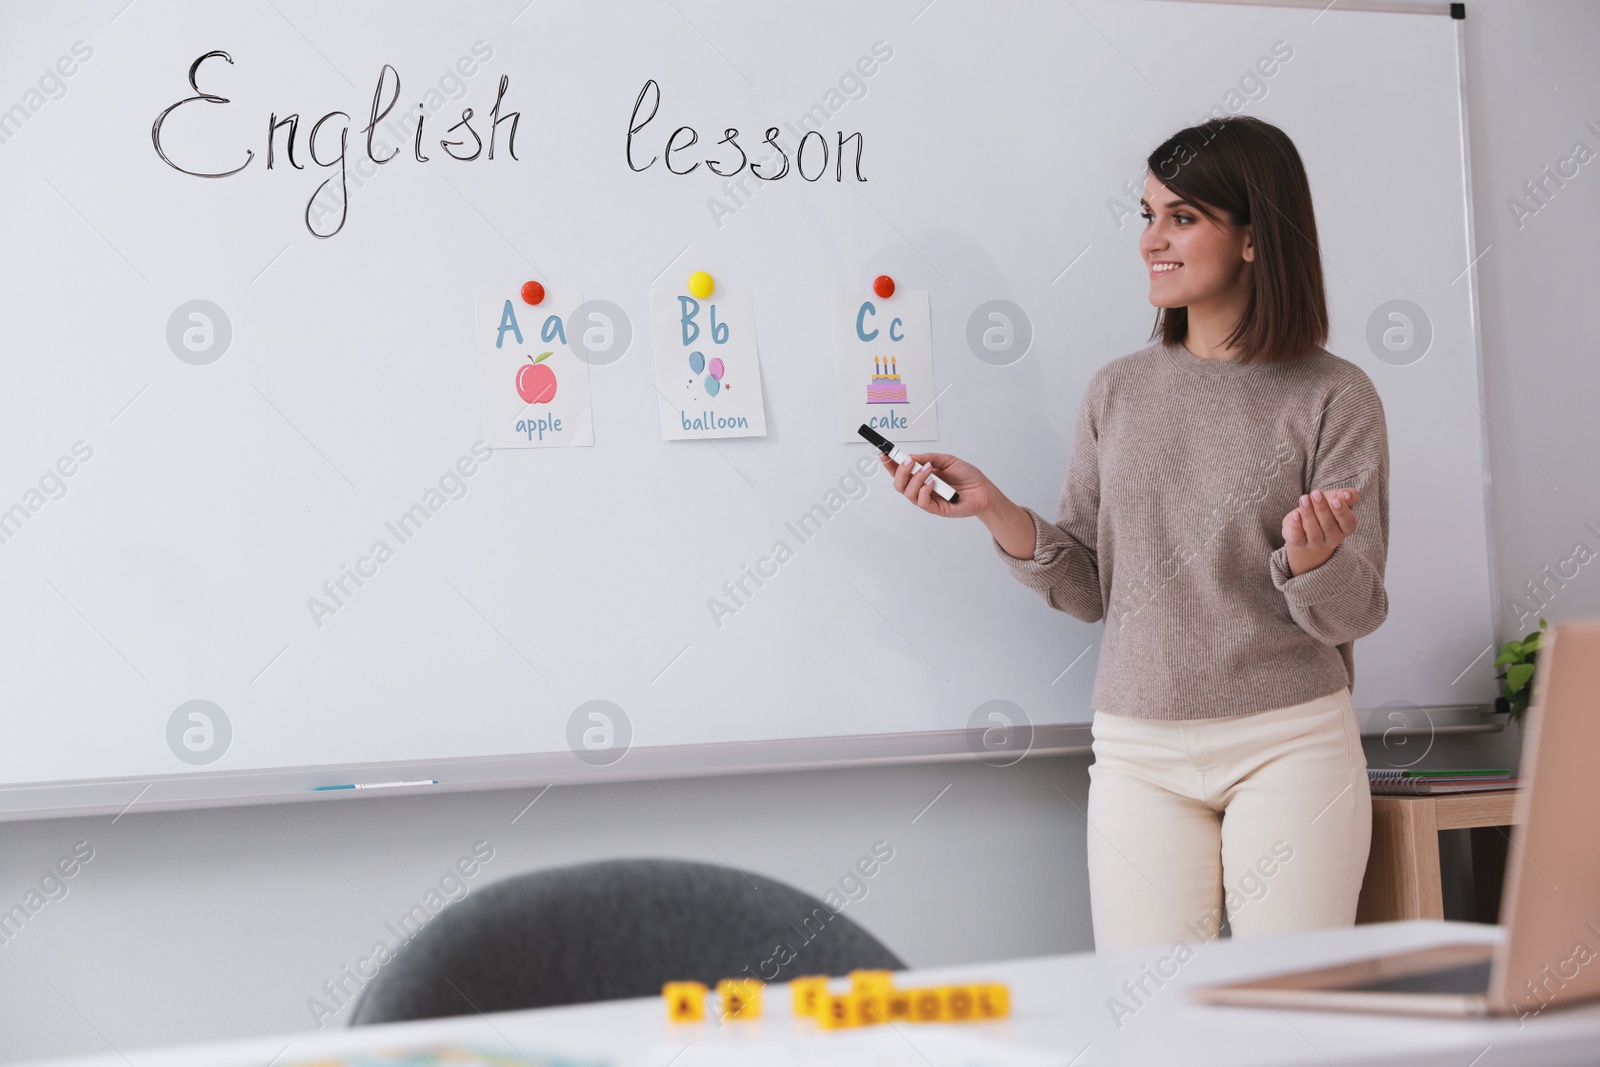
(536, 383)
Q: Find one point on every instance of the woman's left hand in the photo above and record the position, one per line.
(1314, 529)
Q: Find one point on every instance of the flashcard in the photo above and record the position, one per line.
(535, 388)
(708, 373)
(883, 354)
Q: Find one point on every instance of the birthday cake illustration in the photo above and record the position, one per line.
(886, 386)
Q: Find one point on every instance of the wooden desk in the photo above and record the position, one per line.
(1402, 880)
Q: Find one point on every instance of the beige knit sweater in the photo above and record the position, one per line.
(1169, 529)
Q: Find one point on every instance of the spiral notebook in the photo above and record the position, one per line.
(1407, 782)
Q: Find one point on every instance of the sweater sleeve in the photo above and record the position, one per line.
(1064, 569)
(1344, 598)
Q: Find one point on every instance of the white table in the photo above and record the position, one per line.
(1059, 1007)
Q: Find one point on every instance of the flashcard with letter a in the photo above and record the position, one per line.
(535, 388)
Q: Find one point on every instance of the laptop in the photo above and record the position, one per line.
(1550, 905)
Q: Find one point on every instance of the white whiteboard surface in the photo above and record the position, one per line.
(178, 564)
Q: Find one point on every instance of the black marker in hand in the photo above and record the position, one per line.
(900, 455)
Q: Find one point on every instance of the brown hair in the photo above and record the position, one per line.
(1250, 171)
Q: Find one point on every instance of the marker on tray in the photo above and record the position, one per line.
(375, 785)
(900, 455)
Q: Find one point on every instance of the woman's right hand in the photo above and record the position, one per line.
(975, 492)
(1012, 526)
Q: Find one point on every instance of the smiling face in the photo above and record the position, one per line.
(1193, 261)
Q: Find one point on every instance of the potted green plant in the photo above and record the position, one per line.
(1517, 660)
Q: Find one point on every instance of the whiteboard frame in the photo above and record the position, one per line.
(281, 785)
(1476, 311)
(120, 796)
(541, 770)
(1392, 7)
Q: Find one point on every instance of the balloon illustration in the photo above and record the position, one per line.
(715, 370)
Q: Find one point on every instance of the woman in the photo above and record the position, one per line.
(1226, 513)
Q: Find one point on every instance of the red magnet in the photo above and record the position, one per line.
(883, 285)
(532, 293)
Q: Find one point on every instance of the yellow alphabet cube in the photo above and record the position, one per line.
(927, 1005)
(993, 1000)
(872, 1008)
(838, 1011)
(808, 992)
(741, 998)
(897, 1006)
(959, 1003)
(686, 1001)
(870, 982)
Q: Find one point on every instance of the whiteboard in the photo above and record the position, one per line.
(176, 562)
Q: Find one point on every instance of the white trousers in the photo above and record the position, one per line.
(1266, 816)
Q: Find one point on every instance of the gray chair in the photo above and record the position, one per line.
(604, 931)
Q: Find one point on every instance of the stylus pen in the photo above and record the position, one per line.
(900, 455)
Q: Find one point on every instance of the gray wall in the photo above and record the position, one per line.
(225, 922)
(220, 923)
